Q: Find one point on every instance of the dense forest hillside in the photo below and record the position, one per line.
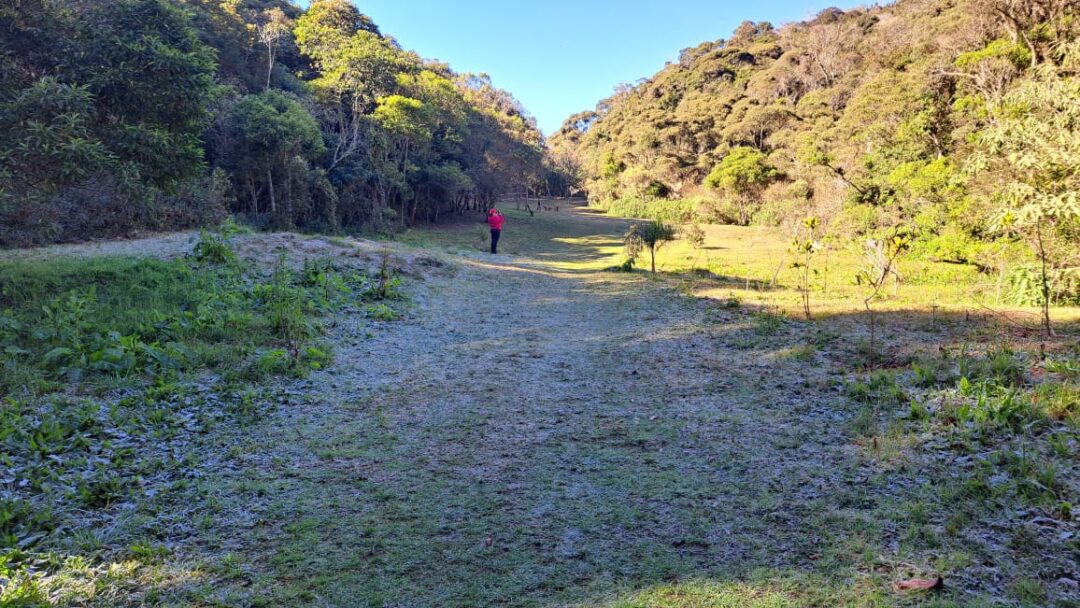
(165, 113)
(950, 123)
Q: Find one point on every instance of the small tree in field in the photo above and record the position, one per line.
(696, 237)
(881, 259)
(653, 235)
(805, 247)
(632, 247)
(1030, 159)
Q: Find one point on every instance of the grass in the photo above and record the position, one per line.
(956, 444)
(123, 380)
(753, 264)
(545, 437)
(102, 321)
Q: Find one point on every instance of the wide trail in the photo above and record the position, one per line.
(534, 433)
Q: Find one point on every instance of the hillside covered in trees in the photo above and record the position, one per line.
(170, 113)
(951, 123)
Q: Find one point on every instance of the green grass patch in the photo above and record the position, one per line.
(100, 321)
(118, 378)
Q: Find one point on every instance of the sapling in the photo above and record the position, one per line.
(805, 246)
(654, 235)
(696, 237)
(882, 256)
(632, 246)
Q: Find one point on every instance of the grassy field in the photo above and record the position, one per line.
(754, 265)
(531, 429)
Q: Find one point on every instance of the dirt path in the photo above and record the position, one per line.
(536, 437)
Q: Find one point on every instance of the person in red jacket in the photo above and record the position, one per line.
(495, 221)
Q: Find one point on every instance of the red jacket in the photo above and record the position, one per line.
(495, 220)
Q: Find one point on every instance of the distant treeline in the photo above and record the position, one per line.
(166, 113)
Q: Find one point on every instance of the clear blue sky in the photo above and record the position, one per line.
(559, 57)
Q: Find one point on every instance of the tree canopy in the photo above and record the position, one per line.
(145, 99)
(869, 119)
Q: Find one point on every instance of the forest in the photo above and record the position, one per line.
(954, 124)
(166, 114)
(293, 316)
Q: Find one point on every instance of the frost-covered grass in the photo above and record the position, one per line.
(124, 379)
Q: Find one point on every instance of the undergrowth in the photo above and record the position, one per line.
(112, 370)
(992, 440)
(103, 321)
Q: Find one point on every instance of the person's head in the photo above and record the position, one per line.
(493, 211)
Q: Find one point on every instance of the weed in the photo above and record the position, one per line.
(932, 372)
(992, 405)
(865, 422)
(214, 249)
(767, 323)
(1069, 369)
(1003, 367)
(1059, 400)
(802, 353)
(879, 388)
(730, 303)
(1030, 592)
(381, 312)
(823, 337)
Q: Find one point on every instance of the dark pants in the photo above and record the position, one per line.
(495, 240)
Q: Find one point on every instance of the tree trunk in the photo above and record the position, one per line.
(273, 203)
(1047, 326)
(269, 63)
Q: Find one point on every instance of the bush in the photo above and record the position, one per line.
(857, 220)
(679, 211)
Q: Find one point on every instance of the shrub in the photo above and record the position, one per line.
(658, 209)
(857, 220)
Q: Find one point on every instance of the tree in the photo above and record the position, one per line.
(653, 236)
(830, 47)
(805, 246)
(119, 88)
(1029, 162)
(357, 66)
(881, 258)
(151, 79)
(407, 122)
(328, 25)
(1037, 24)
(49, 140)
(742, 175)
(274, 27)
(266, 131)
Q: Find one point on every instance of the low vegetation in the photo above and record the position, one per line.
(848, 375)
(122, 378)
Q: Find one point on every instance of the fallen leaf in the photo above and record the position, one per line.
(920, 584)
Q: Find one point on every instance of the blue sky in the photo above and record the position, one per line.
(562, 56)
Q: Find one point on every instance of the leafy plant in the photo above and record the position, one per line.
(653, 236)
(214, 249)
(805, 246)
(881, 256)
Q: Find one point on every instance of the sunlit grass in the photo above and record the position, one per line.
(752, 264)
